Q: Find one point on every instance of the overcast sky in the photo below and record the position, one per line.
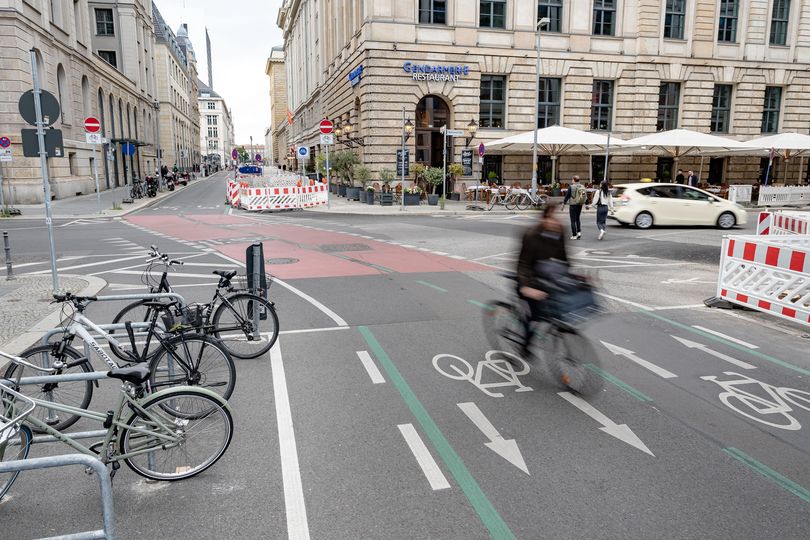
(242, 33)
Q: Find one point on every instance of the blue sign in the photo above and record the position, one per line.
(356, 75)
(5, 142)
(426, 72)
(127, 149)
(250, 169)
(303, 152)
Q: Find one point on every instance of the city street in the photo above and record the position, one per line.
(382, 411)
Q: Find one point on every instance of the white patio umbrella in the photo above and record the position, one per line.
(681, 142)
(556, 141)
(785, 145)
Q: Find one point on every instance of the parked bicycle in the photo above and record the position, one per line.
(523, 199)
(555, 338)
(245, 322)
(136, 191)
(169, 435)
(179, 358)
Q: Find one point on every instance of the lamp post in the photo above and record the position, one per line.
(542, 22)
(407, 129)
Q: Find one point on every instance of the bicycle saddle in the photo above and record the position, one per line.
(225, 274)
(160, 305)
(136, 374)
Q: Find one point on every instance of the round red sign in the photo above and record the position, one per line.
(326, 127)
(92, 125)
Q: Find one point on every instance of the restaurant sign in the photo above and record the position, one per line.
(427, 72)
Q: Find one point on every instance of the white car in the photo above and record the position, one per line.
(645, 205)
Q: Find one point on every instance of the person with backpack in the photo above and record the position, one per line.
(575, 197)
(603, 201)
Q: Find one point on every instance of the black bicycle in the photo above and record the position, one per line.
(554, 338)
(136, 191)
(241, 318)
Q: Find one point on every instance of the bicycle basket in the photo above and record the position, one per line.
(574, 305)
(16, 404)
(242, 283)
(193, 315)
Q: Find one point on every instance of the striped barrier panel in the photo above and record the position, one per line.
(311, 196)
(781, 223)
(770, 274)
(764, 223)
(232, 196)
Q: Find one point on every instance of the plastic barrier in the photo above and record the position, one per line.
(769, 274)
(740, 193)
(783, 223)
(282, 198)
(233, 193)
(778, 196)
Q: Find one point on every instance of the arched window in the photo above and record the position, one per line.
(101, 111)
(86, 110)
(129, 123)
(63, 93)
(112, 117)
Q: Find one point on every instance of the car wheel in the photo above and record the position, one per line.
(726, 220)
(644, 220)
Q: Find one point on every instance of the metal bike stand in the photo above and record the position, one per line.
(105, 484)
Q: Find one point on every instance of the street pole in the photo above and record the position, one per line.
(3, 200)
(157, 142)
(444, 166)
(541, 22)
(43, 163)
(95, 174)
(607, 157)
(328, 181)
(402, 163)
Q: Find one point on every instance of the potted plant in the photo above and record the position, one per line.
(418, 171)
(343, 164)
(555, 189)
(386, 197)
(411, 196)
(369, 194)
(492, 177)
(455, 170)
(433, 177)
(360, 174)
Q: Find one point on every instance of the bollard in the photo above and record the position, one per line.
(7, 247)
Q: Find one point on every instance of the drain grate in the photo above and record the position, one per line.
(282, 260)
(334, 248)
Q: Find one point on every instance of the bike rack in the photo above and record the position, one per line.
(105, 485)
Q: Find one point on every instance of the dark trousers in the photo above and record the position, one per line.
(601, 216)
(575, 211)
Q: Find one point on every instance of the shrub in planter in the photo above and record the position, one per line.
(342, 190)
(433, 177)
(370, 195)
(412, 196)
(353, 193)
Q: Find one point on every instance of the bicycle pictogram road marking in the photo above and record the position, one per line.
(499, 369)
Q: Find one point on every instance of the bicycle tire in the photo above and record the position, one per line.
(504, 327)
(215, 372)
(234, 334)
(134, 312)
(573, 363)
(211, 412)
(468, 371)
(510, 203)
(793, 424)
(799, 398)
(8, 454)
(523, 202)
(73, 393)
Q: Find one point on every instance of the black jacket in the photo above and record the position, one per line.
(538, 245)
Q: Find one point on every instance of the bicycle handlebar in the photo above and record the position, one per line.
(20, 361)
(70, 297)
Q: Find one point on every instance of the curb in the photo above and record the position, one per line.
(33, 335)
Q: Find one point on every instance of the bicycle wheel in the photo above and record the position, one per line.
(523, 202)
(799, 398)
(492, 202)
(15, 448)
(73, 393)
(573, 361)
(205, 429)
(242, 332)
(136, 313)
(504, 327)
(511, 202)
(762, 407)
(194, 360)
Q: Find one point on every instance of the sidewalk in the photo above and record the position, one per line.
(86, 206)
(26, 312)
(340, 205)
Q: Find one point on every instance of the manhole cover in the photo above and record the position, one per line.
(282, 260)
(333, 248)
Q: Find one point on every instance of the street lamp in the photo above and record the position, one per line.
(542, 22)
(338, 131)
(407, 129)
(472, 128)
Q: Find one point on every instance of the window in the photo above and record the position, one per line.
(768, 170)
(213, 131)
(493, 101)
(104, 22)
(78, 21)
(692, 194)
(598, 168)
(727, 28)
(109, 57)
(545, 169)
(770, 110)
(492, 169)
(62, 92)
(668, 96)
(211, 106)
(602, 105)
(211, 119)
(493, 14)
(663, 173)
(674, 19)
(721, 108)
(604, 17)
(433, 11)
(553, 10)
(779, 22)
(548, 110)
(716, 168)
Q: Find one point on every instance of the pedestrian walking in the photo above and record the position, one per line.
(603, 201)
(679, 178)
(692, 179)
(575, 197)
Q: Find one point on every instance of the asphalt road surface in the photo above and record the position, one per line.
(384, 413)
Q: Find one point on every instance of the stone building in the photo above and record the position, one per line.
(738, 68)
(96, 57)
(216, 125)
(176, 77)
(277, 73)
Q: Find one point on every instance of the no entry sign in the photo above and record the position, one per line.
(326, 127)
(92, 125)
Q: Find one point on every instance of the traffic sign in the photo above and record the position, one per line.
(5, 142)
(455, 132)
(481, 150)
(234, 154)
(93, 138)
(326, 127)
(92, 125)
(128, 149)
(258, 157)
(5, 154)
(303, 152)
(327, 138)
(50, 107)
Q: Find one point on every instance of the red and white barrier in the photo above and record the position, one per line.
(767, 274)
(783, 223)
(233, 193)
(282, 198)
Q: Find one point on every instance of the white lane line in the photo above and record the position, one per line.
(496, 255)
(724, 336)
(325, 310)
(439, 253)
(122, 259)
(314, 330)
(141, 265)
(623, 301)
(213, 265)
(297, 526)
(689, 306)
(371, 367)
(458, 257)
(173, 274)
(429, 467)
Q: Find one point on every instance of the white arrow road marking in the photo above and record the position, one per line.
(506, 448)
(620, 431)
(429, 467)
(630, 355)
(721, 356)
(726, 337)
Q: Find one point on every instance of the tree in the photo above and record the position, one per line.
(433, 177)
(343, 164)
(243, 154)
(361, 173)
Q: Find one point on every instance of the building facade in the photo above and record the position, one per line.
(276, 71)
(176, 76)
(216, 126)
(97, 58)
(737, 68)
